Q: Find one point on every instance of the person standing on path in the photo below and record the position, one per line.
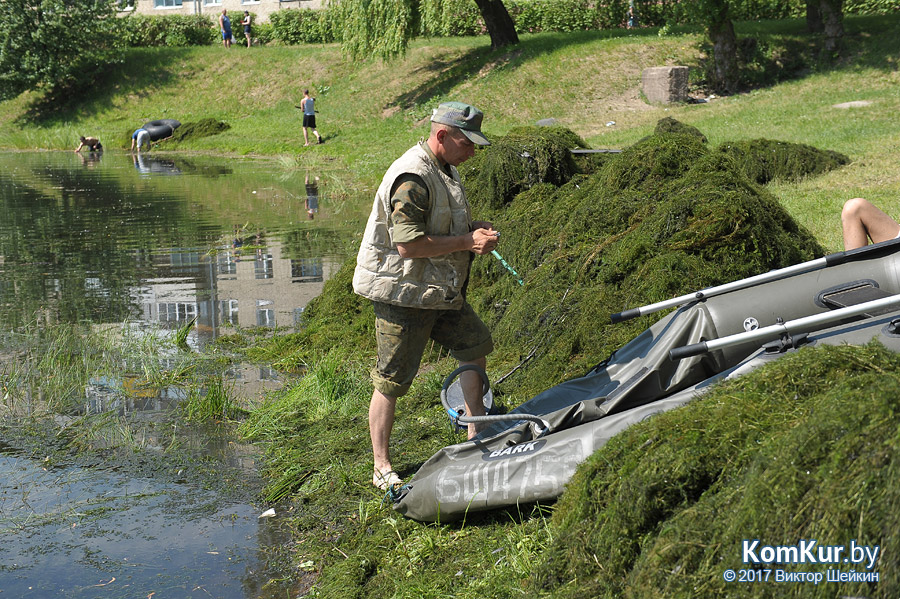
(225, 28)
(413, 264)
(246, 24)
(308, 106)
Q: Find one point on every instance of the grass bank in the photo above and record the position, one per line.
(610, 534)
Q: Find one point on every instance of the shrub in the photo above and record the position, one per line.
(304, 26)
(136, 30)
(542, 15)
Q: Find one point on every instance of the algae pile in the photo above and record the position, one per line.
(665, 217)
(591, 235)
(805, 448)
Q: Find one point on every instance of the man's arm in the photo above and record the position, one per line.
(410, 206)
(479, 241)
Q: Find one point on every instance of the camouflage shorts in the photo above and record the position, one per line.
(402, 333)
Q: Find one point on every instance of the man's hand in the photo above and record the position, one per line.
(484, 240)
(480, 241)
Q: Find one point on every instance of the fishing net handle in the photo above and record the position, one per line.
(459, 416)
(449, 381)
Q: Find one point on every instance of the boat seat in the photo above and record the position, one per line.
(857, 293)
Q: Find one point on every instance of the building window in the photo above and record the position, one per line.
(125, 4)
(265, 317)
(176, 311)
(212, 3)
(226, 263)
(264, 268)
(307, 270)
(229, 311)
(167, 3)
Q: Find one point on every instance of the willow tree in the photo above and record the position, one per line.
(715, 15)
(826, 17)
(383, 28)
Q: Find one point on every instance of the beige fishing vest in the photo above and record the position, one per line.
(433, 283)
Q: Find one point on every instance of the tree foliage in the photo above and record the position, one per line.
(53, 44)
(383, 28)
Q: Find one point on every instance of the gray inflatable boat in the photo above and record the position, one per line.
(848, 297)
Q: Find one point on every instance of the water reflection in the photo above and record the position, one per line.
(228, 243)
(151, 242)
(154, 166)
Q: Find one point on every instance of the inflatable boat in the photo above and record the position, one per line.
(714, 334)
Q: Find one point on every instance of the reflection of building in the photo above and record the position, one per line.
(259, 287)
(242, 286)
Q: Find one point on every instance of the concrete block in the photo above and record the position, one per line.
(665, 84)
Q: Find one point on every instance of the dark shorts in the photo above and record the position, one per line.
(402, 334)
(247, 29)
(309, 120)
(226, 34)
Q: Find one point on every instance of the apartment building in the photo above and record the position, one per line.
(213, 8)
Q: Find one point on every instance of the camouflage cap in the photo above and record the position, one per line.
(464, 117)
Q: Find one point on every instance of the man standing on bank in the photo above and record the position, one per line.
(225, 28)
(413, 264)
(308, 106)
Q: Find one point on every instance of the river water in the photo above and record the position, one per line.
(154, 242)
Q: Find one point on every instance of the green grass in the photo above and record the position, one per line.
(667, 524)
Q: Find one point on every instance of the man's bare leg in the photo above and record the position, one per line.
(381, 422)
(473, 393)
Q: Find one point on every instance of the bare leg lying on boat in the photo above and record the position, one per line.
(861, 221)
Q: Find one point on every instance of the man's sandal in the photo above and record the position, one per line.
(386, 480)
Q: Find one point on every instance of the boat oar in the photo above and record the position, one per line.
(799, 325)
(868, 252)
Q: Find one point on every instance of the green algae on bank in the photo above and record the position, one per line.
(665, 217)
(765, 160)
(803, 448)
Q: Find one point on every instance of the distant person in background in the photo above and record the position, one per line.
(139, 138)
(246, 24)
(308, 106)
(93, 144)
(632, 19)
(861, 221)
(312, 197)
(225, 28)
